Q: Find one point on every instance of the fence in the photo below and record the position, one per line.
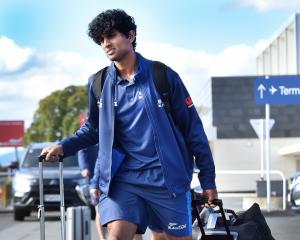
(258, 172)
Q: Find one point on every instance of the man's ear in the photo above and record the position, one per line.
(131, 36)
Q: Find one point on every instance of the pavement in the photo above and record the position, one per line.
(284, 225)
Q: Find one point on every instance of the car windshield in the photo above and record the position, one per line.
(31, 160)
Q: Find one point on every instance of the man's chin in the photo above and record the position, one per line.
(115, 57)
(112, 57)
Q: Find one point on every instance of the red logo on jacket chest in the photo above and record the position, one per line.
(188, 101)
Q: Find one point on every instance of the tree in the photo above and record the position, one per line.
(58, 115)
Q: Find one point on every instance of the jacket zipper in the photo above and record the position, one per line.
(113, 105)
(147, 105)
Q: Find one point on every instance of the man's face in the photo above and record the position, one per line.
(116, 46)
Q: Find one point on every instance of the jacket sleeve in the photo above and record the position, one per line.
(87, 134)
(83, 159)
(190, 125)
(94, 182)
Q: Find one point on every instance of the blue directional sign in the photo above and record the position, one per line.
(277, 90)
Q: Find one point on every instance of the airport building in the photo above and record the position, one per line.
(282, 55)
(234, 143)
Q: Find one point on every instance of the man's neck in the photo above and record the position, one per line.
(127, 66)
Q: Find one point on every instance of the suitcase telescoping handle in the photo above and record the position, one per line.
(41, 211)
(41, 207)
(217, 202)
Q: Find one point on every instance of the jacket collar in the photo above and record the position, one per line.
(141, 61)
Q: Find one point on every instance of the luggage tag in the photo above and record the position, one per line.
(212, 220)
(227, 215)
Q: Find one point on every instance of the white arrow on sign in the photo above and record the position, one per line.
(272, 90)
(261, 88)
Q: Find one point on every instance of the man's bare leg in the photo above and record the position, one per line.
(138, 237)
(178, 238)
(121, 230)
(163, 236)
(158, 236)
(99, 228)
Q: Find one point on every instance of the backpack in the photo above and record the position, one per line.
(160, 80)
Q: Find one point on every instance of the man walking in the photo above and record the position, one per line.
(151, 186)
(86, 160)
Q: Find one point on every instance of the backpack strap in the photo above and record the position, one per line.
(159, 71)
(160, 78)
(97, 84)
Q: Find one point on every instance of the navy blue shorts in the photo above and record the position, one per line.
(151, 207)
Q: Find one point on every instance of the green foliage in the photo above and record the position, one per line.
(58, 115)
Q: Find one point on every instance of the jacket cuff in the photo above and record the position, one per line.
(94, 184)
(209, 185)
(67, 146)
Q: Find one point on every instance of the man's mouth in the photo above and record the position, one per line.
(110, 51)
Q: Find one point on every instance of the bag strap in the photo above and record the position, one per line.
(160, 79)
(97, 84)
(159, 71)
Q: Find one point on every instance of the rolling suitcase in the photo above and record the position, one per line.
(218, 233)
(41, 208)
(79, 223)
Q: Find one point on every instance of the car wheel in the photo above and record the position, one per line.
(19, 215)
(27, 213)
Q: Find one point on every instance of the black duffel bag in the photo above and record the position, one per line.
(252, 223)
(247, 225)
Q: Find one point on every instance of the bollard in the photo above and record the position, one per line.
(6, 192)
(4, 196)
(1, 191)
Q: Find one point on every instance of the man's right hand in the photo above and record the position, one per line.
(53, 153)
(210, 194)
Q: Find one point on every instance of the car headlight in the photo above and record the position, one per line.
(21, 184)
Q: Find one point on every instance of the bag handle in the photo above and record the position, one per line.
(228, 211)
(217, 202)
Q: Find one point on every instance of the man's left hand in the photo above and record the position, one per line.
(210, 194)
(85, 172)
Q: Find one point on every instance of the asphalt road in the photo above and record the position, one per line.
(284, 226)
(30, 228)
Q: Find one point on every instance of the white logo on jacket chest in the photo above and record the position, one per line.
(101, 103)
(140, 95)
(160, 103)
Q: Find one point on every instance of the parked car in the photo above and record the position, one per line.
(295, 192)
(26, 183)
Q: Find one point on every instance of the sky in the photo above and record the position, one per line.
(44, 44)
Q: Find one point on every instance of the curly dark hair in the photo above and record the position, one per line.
(109, 21)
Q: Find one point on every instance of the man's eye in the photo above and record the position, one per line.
(111, 35)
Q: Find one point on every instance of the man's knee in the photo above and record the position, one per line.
(168, 237)
(164, 236)
(137, 237)
(158, 236)
(121, 230)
